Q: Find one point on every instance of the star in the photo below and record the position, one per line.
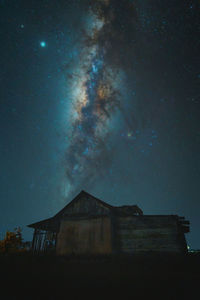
(43, 44)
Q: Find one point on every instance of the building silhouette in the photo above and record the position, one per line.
(88, 225)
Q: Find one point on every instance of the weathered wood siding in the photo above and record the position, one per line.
(85, 236)
(149, 233)
(88, 225)
(87, 206)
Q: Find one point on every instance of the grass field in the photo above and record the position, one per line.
(139, 277)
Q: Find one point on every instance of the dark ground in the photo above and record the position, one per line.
(141, 277)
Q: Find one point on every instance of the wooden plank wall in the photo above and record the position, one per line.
(149, 233)
(85, 236)
(43, 241)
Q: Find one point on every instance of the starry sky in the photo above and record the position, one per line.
(102, 96)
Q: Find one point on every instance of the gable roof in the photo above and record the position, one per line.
(53, 222)
(80, 195)
(49, 222)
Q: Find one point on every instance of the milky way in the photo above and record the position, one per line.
(110, 105)
(96, 82)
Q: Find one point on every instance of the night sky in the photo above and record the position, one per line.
(102, 96)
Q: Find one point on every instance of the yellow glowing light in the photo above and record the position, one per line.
(129, 134)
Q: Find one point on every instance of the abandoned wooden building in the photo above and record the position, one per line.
(88, 225)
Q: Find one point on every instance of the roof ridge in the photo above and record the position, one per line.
(77, 197)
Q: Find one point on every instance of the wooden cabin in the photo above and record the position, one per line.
(88, 225)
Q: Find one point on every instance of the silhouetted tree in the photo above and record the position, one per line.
(13, 242)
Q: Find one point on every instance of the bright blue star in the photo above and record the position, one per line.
(42, 44)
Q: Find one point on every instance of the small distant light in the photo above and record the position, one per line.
(188, 247)
(42, 44)
(22, 25)
(129, 134)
